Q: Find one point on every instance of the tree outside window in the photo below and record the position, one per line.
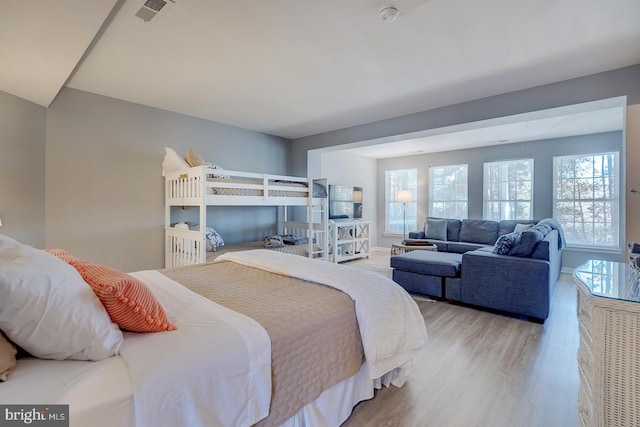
(448, 191)
(508, 189)
(587, 199)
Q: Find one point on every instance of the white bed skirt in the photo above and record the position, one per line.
(334, 405)
(100, 393)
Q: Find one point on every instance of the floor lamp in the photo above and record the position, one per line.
(404, 197)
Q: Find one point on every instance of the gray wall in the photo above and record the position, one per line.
(105, 193)
(542, 153)
(22, 185)
(348, 169)
(621, 82)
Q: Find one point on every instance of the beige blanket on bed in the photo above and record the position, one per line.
(315, 339)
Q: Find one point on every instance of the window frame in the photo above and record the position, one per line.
(511, 186)
(433, 191)
(614, 202)
(410, 183)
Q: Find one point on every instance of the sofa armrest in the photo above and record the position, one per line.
(509, 283)
(417, 235)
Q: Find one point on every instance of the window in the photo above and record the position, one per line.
(396, 180)
(586, 199)
(508, 189)
(448, 191)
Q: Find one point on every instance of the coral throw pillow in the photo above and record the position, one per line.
(129, 302)
(63, 255)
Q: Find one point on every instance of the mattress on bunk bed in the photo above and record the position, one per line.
(319, 191)
(301, 250)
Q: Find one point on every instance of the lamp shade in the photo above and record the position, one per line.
(404, 196)
(357, 196)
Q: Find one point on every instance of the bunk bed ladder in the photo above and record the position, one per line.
(317, 218)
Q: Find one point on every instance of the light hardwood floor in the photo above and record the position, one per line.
(483, 369)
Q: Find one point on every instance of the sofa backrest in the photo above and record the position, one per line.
(542, 250)
(479, 231)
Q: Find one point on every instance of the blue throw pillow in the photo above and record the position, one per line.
(436, 229)
(214, 239)
(505, 243)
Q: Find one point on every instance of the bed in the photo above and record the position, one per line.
(263, 338)
(203, 186)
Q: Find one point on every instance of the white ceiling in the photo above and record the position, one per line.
(294, 68)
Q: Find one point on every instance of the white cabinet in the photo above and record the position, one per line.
(348, 240)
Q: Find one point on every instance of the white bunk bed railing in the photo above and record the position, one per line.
(200, 184)
(184, 247)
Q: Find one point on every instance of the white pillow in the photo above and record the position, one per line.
(47, 308)
(522, 227)
(173, 162)
(194, 159)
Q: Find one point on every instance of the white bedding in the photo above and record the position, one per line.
(223, 357)
(233, 385)
(391, 325)
(99, 393)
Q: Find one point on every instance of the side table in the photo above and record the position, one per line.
(399, 248)
(608, 312)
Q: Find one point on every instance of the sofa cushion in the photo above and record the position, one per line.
(436, 229)
(479, 231)
(509, 225)
(453, 229)
(462, 247)
(430, 263)
(416, 235)
(442, 245)
(543, 249)
(526, 243)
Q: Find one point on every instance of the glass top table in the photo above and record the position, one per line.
(610, 279)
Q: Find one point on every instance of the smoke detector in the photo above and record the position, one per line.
(389, 13)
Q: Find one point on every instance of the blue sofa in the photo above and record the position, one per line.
(497, 267)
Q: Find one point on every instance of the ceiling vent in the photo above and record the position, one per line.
(150, 9)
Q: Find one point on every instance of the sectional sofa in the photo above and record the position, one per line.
(511, 266)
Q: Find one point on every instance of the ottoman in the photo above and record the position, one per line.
(428, 273)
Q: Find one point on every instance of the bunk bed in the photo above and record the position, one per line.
(205, 185)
